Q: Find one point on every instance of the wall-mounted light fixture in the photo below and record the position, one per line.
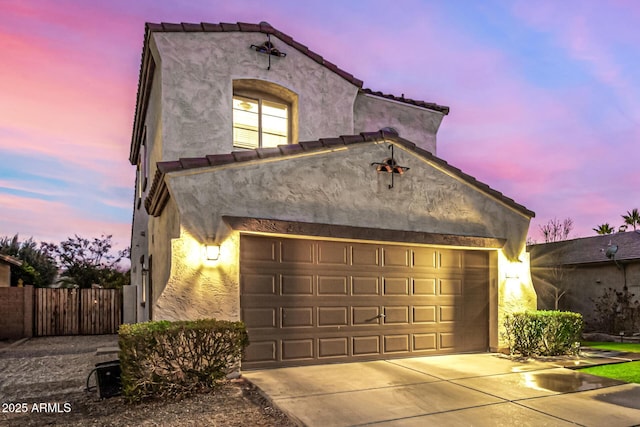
(390, 166)
(212, 252)
(269, 49)
(512, 270)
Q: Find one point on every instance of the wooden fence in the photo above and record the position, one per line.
(77, 311)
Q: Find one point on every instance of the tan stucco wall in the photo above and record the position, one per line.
(334, 188)
(413, 123)
(198, 288)
(197, 87)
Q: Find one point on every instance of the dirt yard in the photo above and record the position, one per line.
(43, 382)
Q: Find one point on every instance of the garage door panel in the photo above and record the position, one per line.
(333, 253)
(396, 285)
(447, 341)
(297, 349)
(365, 286)
(476, 260)
(333, 285)
(259, 249)
(366, 345)
(324, 304)
(395, 315)
(450, 286)
(450, 259)
(449, 313)
(425, 258)
(365, 255)
(258, 284)
(395, 256)
(296, 317)
(424, 342)
(297, 251)
(425, 314)
(366, 315)
(260, 317)
(261, 351)
(333, 316)
(333, 347)
(426, 286)
(297, 285)
(396, 343)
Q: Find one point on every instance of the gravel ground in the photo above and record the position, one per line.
(45, 379)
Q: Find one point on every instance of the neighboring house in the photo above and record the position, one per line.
(588, 271)
(275, 190)
(6, 262)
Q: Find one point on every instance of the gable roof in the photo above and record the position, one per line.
(10, 260)
(587, 250)
(159, 195)
(147, 68)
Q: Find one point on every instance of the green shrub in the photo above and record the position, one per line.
(543, 333)
(167, 359)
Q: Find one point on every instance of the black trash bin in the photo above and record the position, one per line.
(108, 379)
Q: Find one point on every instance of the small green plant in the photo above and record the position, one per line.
(543, 333)
(168, 359)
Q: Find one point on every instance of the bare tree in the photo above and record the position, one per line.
(552, 274)
(551, 271)
(556, 230)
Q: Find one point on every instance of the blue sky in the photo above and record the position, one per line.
(544, 97)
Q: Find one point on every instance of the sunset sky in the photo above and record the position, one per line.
(544, 97)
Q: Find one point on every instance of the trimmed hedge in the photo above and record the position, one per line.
(544, 333)
(167, 359)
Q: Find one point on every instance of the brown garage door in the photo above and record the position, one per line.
(315, 301)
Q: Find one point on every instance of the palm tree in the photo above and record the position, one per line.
(604, 229)
(632, 218)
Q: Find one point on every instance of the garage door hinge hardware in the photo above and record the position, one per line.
(390, 166)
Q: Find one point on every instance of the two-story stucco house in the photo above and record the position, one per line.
(273, 189)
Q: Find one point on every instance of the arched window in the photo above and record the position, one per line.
(264, 114)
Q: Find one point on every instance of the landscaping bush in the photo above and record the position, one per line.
(543, 333)
(161, 359)
(616, 311)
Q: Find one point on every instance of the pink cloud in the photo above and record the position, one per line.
(55, 221)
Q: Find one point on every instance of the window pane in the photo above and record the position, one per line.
(275, 124)
(245, 104)
(245, 122)
(245, 138)
(270, 140)
(274, 109)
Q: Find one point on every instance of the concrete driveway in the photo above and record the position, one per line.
(470, 390)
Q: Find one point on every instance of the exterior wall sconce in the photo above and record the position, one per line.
(268, 49)
(512, 271)
(212, 252)
(390, 166)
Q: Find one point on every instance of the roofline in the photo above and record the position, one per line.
(401, 99)
(159, 195)
(599, 236)
(11, 260)
(147, 68)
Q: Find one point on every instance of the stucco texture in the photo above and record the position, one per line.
(332, 187)
(197, 88)
(341, 187)
(413, 123)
